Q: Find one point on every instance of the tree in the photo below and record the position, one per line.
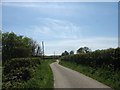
(87, 50)
(65, 53)
(39, 52)
(14, 46)
(83, 50)
(8, 43)
(80, 50)
(0, 47)
(33, 45)
(71, 52)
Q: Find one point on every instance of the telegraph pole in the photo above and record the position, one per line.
(43, 49)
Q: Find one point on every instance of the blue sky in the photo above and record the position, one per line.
(64, 25)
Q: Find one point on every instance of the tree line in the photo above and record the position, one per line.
(80, 50)
(109, 58)
(14, 46)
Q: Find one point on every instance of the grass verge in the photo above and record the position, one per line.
(108, 77)
(42, 78)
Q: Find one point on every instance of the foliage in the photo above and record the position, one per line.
(18, 70)
(100, 58)
(14, 46)
(34, 74)
(43, 77)
(22, 64)
(71, 52)
(0, 44)
(39, 51)
(65, 53)
(83, 50)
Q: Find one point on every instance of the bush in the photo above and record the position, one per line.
(108, 58)
(18, 63)
(18, 70)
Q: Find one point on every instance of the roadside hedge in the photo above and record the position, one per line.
(109, 58)
(18, 70)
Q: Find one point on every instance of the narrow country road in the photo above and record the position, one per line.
(67, 78)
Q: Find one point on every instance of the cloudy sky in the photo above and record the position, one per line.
(64, 25)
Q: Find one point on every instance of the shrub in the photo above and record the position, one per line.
(18, 70)
(109, 58)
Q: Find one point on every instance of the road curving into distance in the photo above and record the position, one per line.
(67, 78)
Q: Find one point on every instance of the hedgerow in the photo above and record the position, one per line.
(18, 70)
(109, 58)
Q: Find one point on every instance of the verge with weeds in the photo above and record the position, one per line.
(27, 73)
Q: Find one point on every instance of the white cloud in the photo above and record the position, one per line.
(58, 29)
(42, 30)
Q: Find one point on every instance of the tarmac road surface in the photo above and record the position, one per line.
(67, 78)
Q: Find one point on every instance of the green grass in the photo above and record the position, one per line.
(108, 77)
(43, 77)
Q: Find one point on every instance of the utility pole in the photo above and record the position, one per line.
(43, 49)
